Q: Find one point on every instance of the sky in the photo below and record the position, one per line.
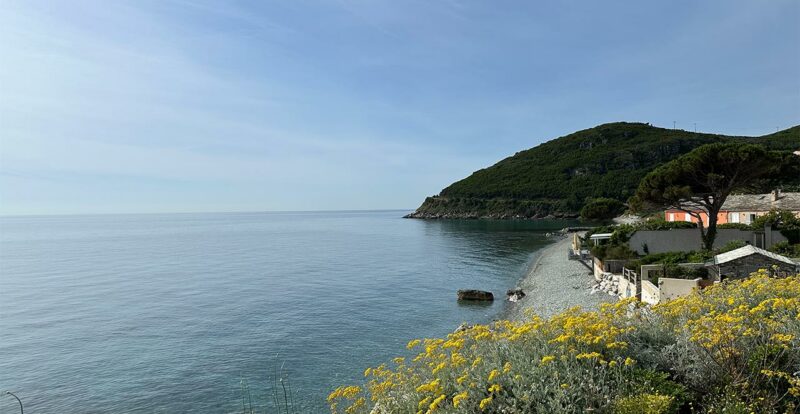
(197, 106)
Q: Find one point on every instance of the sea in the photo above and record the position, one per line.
(173, 313)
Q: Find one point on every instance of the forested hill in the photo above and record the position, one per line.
(557, 177)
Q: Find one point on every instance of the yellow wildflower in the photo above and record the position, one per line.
(493, 374)
(435, 404)
(459, 397)
(486, 401)
(506, 367)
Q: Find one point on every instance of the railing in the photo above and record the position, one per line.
(633, 280)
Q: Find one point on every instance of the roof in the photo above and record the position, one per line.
(747, 251)
(600, 236)
(762, 202)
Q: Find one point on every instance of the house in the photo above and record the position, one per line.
(740, 263)
(743, 208)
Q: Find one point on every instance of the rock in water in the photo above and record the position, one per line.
(515, 295)
(471, 294)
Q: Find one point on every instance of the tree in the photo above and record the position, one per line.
(602, 209)
(700, 181)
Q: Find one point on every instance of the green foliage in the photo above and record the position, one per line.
(680, 272)
(786, 249)
(560, 176)
(670, 260)
(703, 179)
(443, 207)
(698, 256)
(735, 226)
(777, 219)
(660, 224)
(644, 404)
(602, 209)
(783, 220)
(613, 252)
(648, 381)
(731, 245)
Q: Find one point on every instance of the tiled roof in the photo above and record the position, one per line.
(747, 251)
(762, 202)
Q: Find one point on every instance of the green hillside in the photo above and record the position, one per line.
(557, 177)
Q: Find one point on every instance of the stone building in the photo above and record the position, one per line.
(743, 208)
(740, 263)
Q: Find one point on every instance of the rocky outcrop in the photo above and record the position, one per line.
(608, 284)
(498, 209)
(471, 294)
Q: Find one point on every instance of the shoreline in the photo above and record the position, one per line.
(553, 284)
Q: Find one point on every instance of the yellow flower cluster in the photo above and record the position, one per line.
(729, 313)
(484, 365)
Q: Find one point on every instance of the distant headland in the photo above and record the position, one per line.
(557, 178)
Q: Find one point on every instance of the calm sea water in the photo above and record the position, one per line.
(168, 313)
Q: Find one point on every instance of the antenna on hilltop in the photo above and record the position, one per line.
(695, 127)
(673, 124)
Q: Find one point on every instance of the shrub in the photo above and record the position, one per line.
(602, 209)
(613, 252)
(681, 272)
(731, 245)
(735, 344)
(661, 224)
(786, 249)
(735, 226)
(783, 220)
(644, 404)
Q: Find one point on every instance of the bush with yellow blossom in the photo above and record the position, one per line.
(736, 344)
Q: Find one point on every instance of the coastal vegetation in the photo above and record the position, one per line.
(730, 348)
(701, 181)
(602, 209)
(783, 221)
(561, 176)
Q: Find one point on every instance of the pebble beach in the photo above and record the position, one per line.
(554, 283)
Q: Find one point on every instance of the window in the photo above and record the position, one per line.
(734, 217)
(687, 217)
(671, 216)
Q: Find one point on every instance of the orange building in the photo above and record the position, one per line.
(743, 208)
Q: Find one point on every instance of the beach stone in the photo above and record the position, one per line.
(472, 294)
(463, 327)
(515, 295)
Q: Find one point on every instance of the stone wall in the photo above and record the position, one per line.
(675, 288)
(650, 293)
(685, 240)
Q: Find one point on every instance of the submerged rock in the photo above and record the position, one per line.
(471, 294)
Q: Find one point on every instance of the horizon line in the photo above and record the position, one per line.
(15, 215)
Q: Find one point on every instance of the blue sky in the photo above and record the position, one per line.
(185, 105)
